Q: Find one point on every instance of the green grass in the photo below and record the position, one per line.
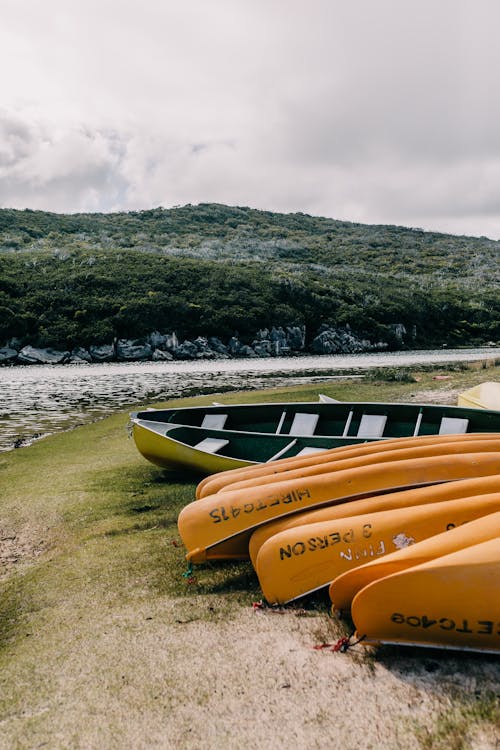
(456, 727)
(100, 575)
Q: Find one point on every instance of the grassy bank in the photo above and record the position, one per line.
(104, 643)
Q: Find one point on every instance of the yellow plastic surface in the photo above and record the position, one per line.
(215, 483)
(420, 496)
(205, 523)
(345, 587)
(304, 559)
(452, 601)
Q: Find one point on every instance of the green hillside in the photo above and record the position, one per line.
(213, 270)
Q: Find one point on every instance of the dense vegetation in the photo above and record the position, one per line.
(213, 270)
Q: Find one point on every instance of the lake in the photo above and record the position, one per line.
(40, 399)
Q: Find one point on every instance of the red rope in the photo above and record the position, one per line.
(342, 645)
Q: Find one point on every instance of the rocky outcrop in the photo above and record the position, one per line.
(217, 346)
(186, 350)
(133, 351)
(341, 341)
(399, 331)
(203, 349)
(7, 355)
(80, 355)
(160, 355)
(30, 355)
(102, 353)
(161, 347)
(163, 341)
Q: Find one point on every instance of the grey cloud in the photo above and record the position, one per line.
(71, 169)
(376, 112)
(15, 137)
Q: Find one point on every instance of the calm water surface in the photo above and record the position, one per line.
(41, 399)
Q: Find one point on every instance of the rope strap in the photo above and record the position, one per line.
(342, 645)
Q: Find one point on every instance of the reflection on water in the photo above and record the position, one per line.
(39, 400)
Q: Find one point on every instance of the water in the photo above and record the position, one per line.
(41, 399)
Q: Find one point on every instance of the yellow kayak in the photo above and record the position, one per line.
(438, 448)
(451, 602)
(483, 396)
(306, 558)
(437, 493)
(206, 523)
(344, 588)
(262, 472)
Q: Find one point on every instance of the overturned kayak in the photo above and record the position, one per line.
(344, 588)
(219, 438)
(436, 493)
(206, 524)
(452, 601)
(264, 473)
(400, 453)
(306, 558)
(483, 396)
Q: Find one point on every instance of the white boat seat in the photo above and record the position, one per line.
(372, 425)
(453, 426)
(309, 450)
(214, 421)
(304, 424)
(211, 445)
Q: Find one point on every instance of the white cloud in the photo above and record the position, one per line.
(375, 112)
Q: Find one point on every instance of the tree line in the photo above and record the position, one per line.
(216, 270)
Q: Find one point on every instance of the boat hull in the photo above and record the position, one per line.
(263, 473)
(421, 496)
(451, 602)
(168, 453)
(222, 438)
(206, 523)
(483, 396)
(344, 588)
(306, 558)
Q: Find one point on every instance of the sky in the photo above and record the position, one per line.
(373, 111)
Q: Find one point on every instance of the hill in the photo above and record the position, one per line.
(211, 269)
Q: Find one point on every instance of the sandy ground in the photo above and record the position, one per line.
(19, 546)
(253, 681)
(180, 674)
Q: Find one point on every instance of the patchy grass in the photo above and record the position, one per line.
(105, 643)
(466, 723)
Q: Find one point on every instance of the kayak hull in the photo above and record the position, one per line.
(344, 588)
(451, 602)
(306, 558)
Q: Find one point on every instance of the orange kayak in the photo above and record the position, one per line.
(206, 523)
(452, 602)
(306, 558)
(437, 493)
(261, 472)
(344, 588)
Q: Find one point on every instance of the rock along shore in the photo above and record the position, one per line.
(274, 342)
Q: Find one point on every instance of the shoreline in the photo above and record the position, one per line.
(42, 400)
(485, 350)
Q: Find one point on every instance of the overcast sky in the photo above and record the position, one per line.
(377, 111)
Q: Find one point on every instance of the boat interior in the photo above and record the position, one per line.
(369, 421)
